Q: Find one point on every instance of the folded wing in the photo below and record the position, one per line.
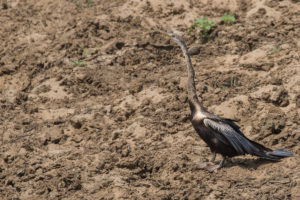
(225, 129)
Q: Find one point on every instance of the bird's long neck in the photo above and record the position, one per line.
(191, 89)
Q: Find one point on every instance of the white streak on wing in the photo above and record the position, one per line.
(199, 116)
(237, 141)
(222, 128)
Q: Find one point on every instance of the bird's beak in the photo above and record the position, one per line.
(167, 33)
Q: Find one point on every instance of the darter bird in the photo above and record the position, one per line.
(222, 135)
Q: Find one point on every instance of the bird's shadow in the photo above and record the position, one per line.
(247, 163)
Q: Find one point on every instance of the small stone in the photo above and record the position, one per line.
(298, 101)
(20, 173)
(285, 46)
(76, 124)
(271, 35)
(125, 152)
(146, 102)
(22, 151)
(116, 135)
(135, 88)
(298, 44)
(77, 138)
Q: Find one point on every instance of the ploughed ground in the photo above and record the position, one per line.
(93, 100)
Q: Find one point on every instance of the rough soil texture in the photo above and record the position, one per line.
(93, 100)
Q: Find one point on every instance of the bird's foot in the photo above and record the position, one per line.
(208, 166)
(203, 165)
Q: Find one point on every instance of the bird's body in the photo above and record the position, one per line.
(215, 144)
(222, 135)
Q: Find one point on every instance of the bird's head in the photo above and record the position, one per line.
(177, 38)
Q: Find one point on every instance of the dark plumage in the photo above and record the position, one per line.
(222, 135)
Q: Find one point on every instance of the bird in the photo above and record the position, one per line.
(222, 135)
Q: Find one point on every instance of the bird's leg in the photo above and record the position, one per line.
(219, 166)
(222, 162)
(207, 165)
(213, 157)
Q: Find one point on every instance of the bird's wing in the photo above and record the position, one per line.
(231, 132)
(225, 120)
(232, 124)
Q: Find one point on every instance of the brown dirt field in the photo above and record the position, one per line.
(93, 100)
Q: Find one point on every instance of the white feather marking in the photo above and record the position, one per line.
(199, 116)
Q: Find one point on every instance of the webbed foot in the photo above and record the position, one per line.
(209, 167)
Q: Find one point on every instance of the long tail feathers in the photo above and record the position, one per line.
(280, 153)
(275, 155)
(268, 154)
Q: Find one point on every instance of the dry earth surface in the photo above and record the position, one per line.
(93, 102)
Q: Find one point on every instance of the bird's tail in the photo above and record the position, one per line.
(275, 155)
(269, 154)
(280, 153)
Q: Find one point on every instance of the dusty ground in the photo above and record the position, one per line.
(93, 98)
